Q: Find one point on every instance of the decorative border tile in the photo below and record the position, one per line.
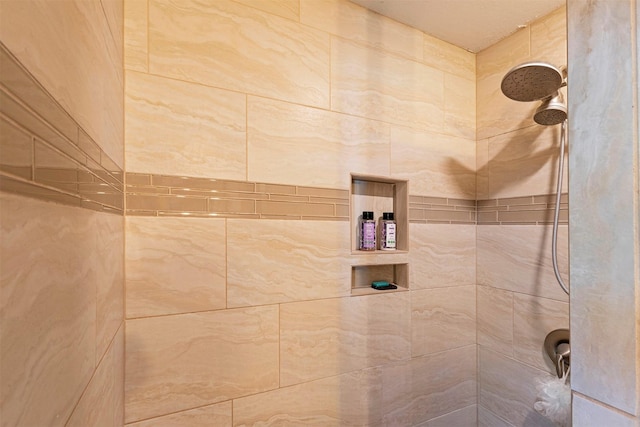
(533, 210)
(44, 153)
(441, 210)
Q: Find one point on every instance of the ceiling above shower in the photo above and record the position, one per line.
(470, 24)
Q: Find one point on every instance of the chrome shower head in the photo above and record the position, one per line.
(552, 111)
(532, 81)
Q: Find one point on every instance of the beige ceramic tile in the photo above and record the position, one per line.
(442, 319)
(525, 162)
(46, 279)
(435, 164)
(462, 417)
(486, 418)
(354, 22)
(518, 258)
(459, 106)
(533, 319)
(239, 48)
(16, 150)
(109, 273)
(298, 145)
(508, 389)
(349, 399)
(495, 319)
(503, 55)
(135, 35)
(482, 169)
(549, 38)
(76, 77)
(285, 8)
(370, 83)
(178, 128)
(102, 403)
(174, 363)
(330, 337)
(282, 261)
(174, 265)
(442, 255)
(218, 415)
(114, 12)
(449, 58)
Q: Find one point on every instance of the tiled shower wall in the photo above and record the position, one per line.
(519, 301)
(244, 121)
(61, 213)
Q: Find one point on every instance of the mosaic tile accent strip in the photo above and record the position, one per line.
(44, 153)
(527, 210)
(441, 210)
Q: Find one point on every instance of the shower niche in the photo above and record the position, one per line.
(378, 195)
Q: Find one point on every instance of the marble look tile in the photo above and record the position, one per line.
(75, 77)
(525, 162)
(482, 169)
(442, 319)
(549, 38)
(533, 319)
(442, 255)
(282, 261)
(459, 106)
(495, 319)
(465, 417)
(174, 363)
(218, 415)
(174, 265)
(297, 145)
(135, 31)
(102, 403)
(448, 58)
(503, 55)
(486, 418)
(289, 9)
(239, 48)
(370, 83)
(508, 389)
(589, 413)
(329, 337)
(109, 274)
(46, 278)
(179, 128)
(114, 12)
(353, 22)
(435, 164)
(604, 202)
(344, 400)
(518, 258)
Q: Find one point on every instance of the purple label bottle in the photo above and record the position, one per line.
(367, 232)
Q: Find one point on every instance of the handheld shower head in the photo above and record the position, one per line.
(552, 111)
(532, 81)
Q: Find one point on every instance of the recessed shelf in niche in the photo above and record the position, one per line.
(380, 194)
(363, 275)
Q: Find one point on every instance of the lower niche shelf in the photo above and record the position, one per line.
(363, 275)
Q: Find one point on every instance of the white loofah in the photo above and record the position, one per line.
(554, 400)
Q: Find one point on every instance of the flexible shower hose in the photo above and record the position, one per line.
(556, 213)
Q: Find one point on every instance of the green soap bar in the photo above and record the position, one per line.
(380, 284)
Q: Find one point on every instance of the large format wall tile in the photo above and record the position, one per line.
(462, 417)
(435, 164)
(135, 31)
(495, 319)
(459, 106)
(518, 258)
(442, 255)
(231, 46)
(449, 58)
(373, 84)
(47, 310)
(548, 38)
(184, 361)
(293, 144)
(508, 389)
(349, 399)
(289, 9)
(175, 265)
(179, 128)
(282, 261)
(218, 415)
(353, 22)
(88, 79)
(330, 337)
(442, 319)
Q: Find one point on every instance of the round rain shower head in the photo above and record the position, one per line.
(532, 81)
(552, 111)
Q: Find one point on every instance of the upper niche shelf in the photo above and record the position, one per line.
(380, 194)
